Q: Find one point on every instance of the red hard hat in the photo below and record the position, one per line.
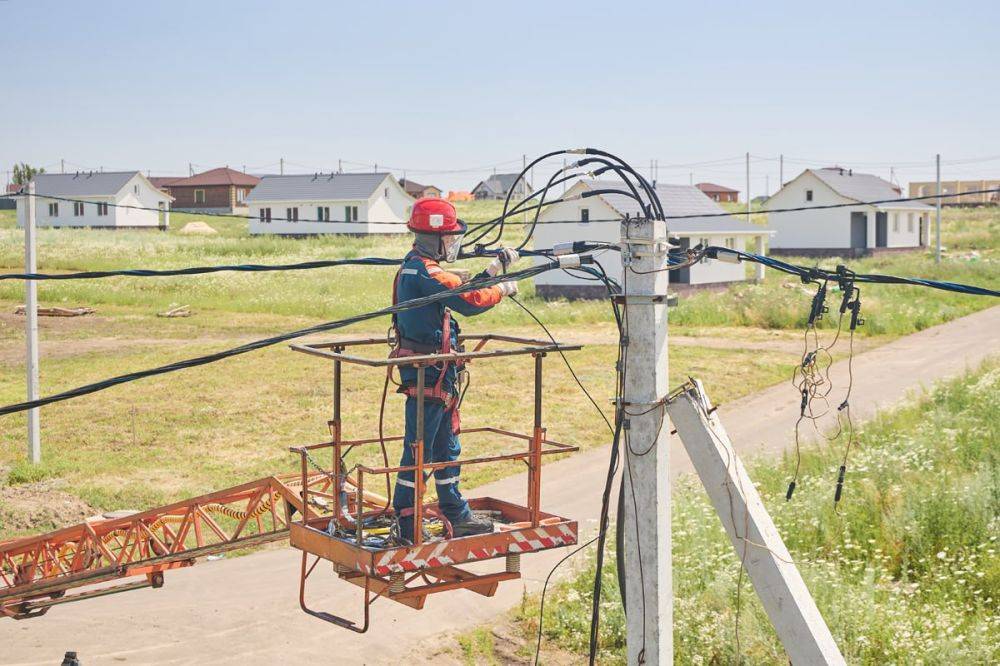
(432, 215)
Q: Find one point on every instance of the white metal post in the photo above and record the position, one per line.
(937, 253)
(782, 592)
(31, 323)
(645, 447)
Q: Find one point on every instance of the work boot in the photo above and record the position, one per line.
(473, 524)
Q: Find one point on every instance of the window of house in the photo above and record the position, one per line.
(265, 214)
(809, 195)
(199, 196)
(584, 215)
(350, 213)
(77, 208)
(731, 242)
(386, 192)
(102, 209)
(323, 213)
(241, 196)
(53, 210)
(135, 189)
(292, 214)
(895, 223)
(909, 222)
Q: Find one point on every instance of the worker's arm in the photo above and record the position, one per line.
(471, 302)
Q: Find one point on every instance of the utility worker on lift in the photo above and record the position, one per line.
(431, 329)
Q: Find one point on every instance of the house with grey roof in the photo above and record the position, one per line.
(499, 184)
(851, 230)
(329, 203)
(111, 199)
(598, 218)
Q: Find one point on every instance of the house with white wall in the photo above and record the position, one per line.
(598, 218)
(329, 203)
(104, 200)
(849, 231)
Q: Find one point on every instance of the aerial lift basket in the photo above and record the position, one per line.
(407, 573)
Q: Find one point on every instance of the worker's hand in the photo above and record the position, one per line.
(508, 288)
(505, 257)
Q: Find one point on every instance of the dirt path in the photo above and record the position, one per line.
(246, 611)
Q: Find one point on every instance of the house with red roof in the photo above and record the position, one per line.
(221, 190)
(719, 192)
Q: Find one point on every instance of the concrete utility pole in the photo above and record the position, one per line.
(190, 169)
(31, 324)
(937, 253)
(748, 187)
(781, 171)
(62, 165)
(340, 166)
(647, 477)
(691, 178)
(782, 592)
(281, 166)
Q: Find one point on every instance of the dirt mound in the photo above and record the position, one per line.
(38, 507)
(197, 228)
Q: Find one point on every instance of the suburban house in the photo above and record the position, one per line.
(418, 191)
(849, 231)
(597, 218)
(345, 203)
(460, 195)
(499, 184)
(9, 203)
(221, 190)
(104, 200)
(719, 192)
(161, 182)
(959, 188)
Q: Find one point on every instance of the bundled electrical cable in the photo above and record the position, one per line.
(478, 283)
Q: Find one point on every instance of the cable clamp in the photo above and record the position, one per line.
(636, 299)
(728, 256)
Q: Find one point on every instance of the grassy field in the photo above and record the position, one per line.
(202, 429)
(908, 570)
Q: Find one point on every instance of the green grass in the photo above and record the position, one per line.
(203, 429)
(335, 293)
(908, 571)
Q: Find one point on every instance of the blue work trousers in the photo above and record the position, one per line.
(440, 445)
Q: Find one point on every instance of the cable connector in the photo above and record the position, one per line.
(569, 261)
(576, 151)
(726, 255)
(570, 247)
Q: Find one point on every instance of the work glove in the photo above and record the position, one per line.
(505, 257)
(508, 288)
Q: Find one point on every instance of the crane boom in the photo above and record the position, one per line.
(37, 571)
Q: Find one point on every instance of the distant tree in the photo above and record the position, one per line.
(23, 173)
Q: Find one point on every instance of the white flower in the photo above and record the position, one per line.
(941, 555)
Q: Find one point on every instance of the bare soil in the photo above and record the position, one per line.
(31, 507)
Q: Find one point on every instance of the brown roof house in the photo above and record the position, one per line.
(417, 191)
(221, 190)
(719, 192)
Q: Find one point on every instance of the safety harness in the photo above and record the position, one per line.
(404, 347)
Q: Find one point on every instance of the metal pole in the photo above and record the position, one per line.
(31, 324)
(781, 171)
(646, 477)
(281, 166)
(748, 187)
(937, 253)
(62, 165)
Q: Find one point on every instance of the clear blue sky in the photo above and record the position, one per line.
(440, 86)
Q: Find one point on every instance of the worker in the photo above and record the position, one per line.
(432, 329)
